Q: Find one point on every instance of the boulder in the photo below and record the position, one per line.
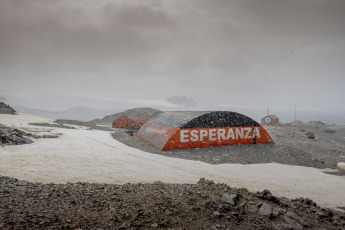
(230, 199)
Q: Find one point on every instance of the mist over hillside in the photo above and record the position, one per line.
(286, 114)
(77, 113)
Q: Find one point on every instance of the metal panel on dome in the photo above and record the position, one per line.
(176, 119)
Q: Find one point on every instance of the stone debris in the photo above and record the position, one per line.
(52, 125)
(10, 136)
(205, 205)
(230, 199)
(265, 209)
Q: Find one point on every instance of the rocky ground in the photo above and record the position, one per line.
(89, 124)
(26, 135)
(11, 136)
(205, 205)
(291, 147)
(52, 125)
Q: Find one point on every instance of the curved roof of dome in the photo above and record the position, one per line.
(203, 119)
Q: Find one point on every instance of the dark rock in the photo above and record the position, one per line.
(297, 218)
(230, 199)
(204, 181)
(216, 214)
(9, 136)
(323, 214)
(266, 195)
(209, 204)
(277, 211)
(265, 209)
(226, 208)
(308, 202)
(291, 224)
(241, 207)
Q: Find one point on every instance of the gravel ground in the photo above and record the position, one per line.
(292, 147)
(205, 205)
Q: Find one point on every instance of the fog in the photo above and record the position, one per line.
(233, 54)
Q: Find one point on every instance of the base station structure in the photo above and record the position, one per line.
(131, 121)
(179, 130)
(270, 120)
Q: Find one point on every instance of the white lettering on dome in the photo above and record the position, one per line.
(218, 134)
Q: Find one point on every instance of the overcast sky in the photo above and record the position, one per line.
(237, 52)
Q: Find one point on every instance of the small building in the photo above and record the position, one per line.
(196, 129)
(131, 121)
(311, 135)
(270, 120)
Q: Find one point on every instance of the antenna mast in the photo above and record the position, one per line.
(295, 112)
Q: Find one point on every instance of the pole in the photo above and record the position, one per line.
(295, 112)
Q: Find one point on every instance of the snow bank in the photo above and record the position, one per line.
(94, 156)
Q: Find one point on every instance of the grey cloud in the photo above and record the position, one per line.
(212, 50)
(141, 16)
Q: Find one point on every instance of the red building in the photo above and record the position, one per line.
(131, 121)
(270, 120)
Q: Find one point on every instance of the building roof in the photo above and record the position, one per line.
(203, 119)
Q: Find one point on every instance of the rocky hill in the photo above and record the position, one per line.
(181, 100)
(6, 109)
(107, 120)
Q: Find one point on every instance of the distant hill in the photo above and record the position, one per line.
(81, 113)
(6, 109)
(142, 110)
(181, 100)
